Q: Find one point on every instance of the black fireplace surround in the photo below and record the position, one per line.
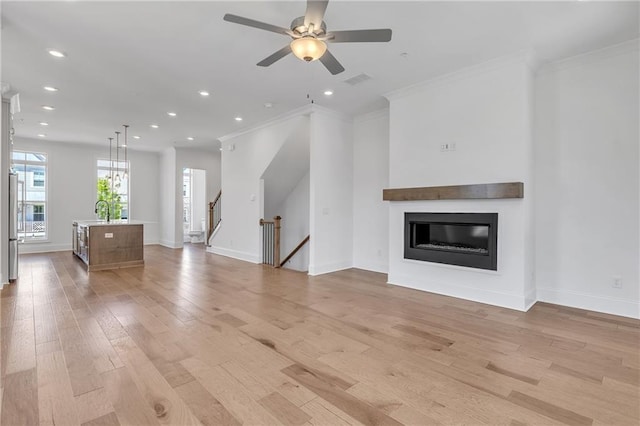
(464, 239)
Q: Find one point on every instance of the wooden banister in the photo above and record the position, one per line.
(276, 242)
(295, 250)
(215, 210)
(217, 197)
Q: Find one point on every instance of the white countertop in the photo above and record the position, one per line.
(94, 222)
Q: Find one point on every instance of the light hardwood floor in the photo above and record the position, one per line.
(195, 338)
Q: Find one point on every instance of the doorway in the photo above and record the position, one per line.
(194, 205)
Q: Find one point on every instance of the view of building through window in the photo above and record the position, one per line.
(113, 187)
(31, 168)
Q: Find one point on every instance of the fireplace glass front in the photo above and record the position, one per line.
(464, 239)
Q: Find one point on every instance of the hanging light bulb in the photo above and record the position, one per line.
(125, 175)
(117, 179)
(110, 163)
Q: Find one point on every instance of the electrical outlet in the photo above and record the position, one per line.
(446, 147)
(617, 281)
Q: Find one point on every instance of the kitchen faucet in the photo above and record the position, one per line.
(103, 201)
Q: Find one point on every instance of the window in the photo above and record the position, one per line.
(186, 199)
(31, 168)
(38, 179)
(113, 187)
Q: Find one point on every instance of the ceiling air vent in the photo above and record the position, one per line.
(360, 78)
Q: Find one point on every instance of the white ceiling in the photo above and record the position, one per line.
(132, 62)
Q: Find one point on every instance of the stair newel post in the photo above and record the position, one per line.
(211, 225)
(276, 242)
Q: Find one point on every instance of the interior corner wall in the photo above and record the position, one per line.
(370, 177)
(71, 189)
(587, 181)
(295, 225)
(193, 158)
(168, 199)
(245, 157)
(331, 193)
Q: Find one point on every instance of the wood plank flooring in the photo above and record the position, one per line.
(195, 338)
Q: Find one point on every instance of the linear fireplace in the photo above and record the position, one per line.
(464, 239)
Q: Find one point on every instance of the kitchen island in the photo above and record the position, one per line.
(108, 245)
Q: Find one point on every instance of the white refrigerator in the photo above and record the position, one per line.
(13, 226)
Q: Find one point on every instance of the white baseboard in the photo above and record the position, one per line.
(42, 248)
(505, 300)
(235, 254)
(575, 299)
(329, 267)
(373, 267)
(170, 244)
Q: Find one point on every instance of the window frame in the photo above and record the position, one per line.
(123, 166)
(26, 239)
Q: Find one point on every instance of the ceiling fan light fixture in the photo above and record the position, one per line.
(308, 48)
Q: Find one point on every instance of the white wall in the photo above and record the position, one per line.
(193, 158)
(587, 181)
(71, 189)
(245, 157)
(331, 197)
(295, 225)
(486, 112)
(199, 206)
(283, 174)
(370, 177)
(168, 192)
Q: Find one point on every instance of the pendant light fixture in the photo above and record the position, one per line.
(109, 177)
(125, 175)
(117, 179)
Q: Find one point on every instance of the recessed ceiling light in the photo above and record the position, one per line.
(203, 93)
(172, 114)
(48, 107)
(42, 123)
(56, 53)
(136, 137)
(42, 135)
(50, 89)
(328, 92)
(238, 118)
(268, 105)
(190, 138)
(154, 126)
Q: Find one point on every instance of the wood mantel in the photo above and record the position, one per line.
(456, 192)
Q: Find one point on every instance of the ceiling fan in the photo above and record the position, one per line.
(310, 37)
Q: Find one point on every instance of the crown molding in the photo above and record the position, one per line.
(373, 115)
(591, 57)
(305, 110)
(330, 112)
(525, 57)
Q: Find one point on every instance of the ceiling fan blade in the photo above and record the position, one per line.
(275, 57)
(331, 63)
(255, 24)
(315, 12)
(359, 36)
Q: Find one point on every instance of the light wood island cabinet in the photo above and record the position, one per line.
(101, 245)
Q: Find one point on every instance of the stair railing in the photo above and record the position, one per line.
(271, 241)
(295, 250)
(215, 214)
